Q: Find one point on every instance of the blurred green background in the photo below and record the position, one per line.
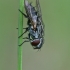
(55, 53)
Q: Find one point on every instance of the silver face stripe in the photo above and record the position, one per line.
(39, 43)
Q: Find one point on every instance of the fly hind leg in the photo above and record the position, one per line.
(23, 14)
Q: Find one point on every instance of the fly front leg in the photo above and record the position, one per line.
(24, 42)
(26, 38)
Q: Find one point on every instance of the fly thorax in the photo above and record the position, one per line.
(36, 34)
(34, 22)
(33, 33)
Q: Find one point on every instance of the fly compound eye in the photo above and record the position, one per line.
(35, 42)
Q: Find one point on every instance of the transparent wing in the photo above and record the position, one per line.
(27, 8)
(38, 8)
(40, 15)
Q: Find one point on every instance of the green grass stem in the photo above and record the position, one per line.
(20, 31)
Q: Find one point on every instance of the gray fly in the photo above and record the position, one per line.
(35, 25)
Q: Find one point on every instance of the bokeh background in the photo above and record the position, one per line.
(55, 53)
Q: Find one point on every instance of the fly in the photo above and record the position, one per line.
(35, 25)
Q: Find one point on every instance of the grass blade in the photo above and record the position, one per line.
(20, 31)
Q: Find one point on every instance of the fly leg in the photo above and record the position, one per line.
(24, 32)
(24, 42)
(23, 14)
(25, 38)
(28, 37)
(27, 28)
(28, 22)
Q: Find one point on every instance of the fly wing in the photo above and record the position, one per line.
(31, 13)
(27, 8)
(40, 16)
(38, 8)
